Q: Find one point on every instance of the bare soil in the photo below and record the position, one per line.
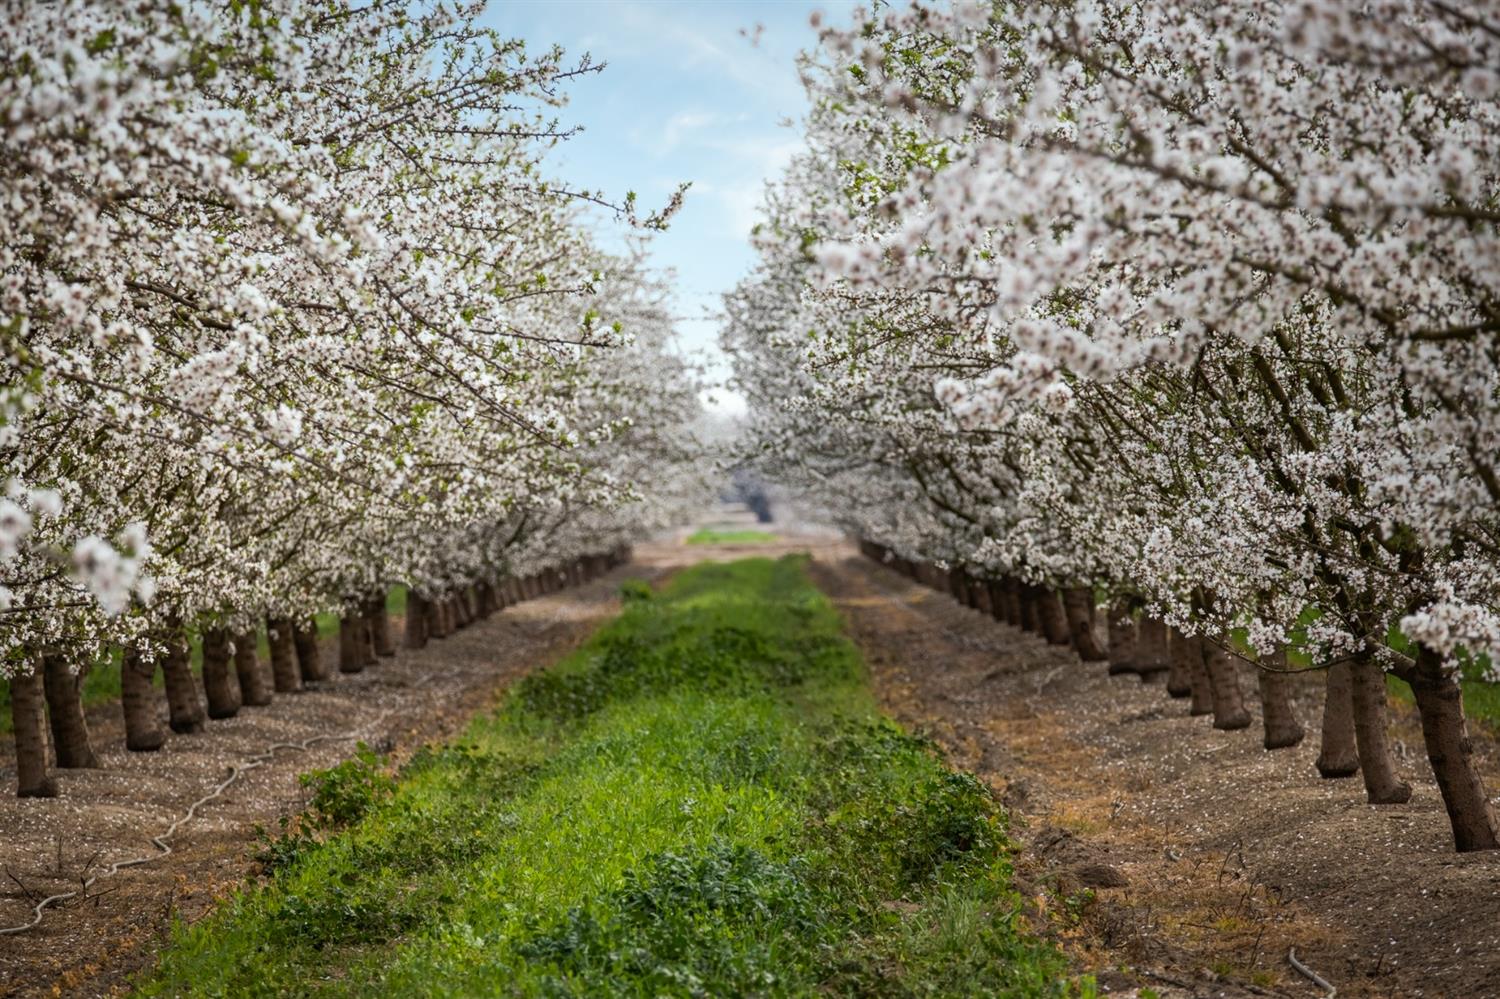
(1223, 856)
(92, 947)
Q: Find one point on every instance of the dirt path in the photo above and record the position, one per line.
(106, 815)
(1226, 856)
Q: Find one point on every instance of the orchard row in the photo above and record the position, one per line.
(1190, 311)
(291, 313)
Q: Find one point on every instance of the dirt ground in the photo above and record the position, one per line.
(1223, 856)
(1160, 852)
(90, 948)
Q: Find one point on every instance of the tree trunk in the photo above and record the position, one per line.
(1440, 703)
(143, 731)
(70, 730)
(28, 721)
(1152, 658)
(1371, 738)
(310, 664)
(1078, 604)
(284, 670)
(351, 643)
(416, 620)
(1337, 756)
(185, 712)
(367, 636)
(219, 684)
(1013, 594)
(1203, 688)
(1224, 685)
(1122, 641)
(979, 590)
(996, 591)
(380, 627)
(1279, 717)
(1031, 610)
(437, 619)
(1054, 621)
(1180, 671)
(255, 692)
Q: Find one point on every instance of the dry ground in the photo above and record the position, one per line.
(1229, 855)
(47, 846)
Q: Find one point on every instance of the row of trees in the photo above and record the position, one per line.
(291, 312)
(1190, 311)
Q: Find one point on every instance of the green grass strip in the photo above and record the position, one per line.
(709, 536)
(702, 801)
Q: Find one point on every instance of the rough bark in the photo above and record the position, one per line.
(367, 635)
(1122, 641)
(285, 672)
(138, 698)
(1282, 729)
(255, 690)
(416, 620)
(1031, 611)
(1224, 686)
(310, 664)
(351, 643)
(1054, 620)
(1446, 734)
(1372, 739)
(1203, 688)
(380, 627)
(1078, 604)
(1152, 657)
(1013, 603)
(185, 713)
(30, 727)
(70, 730)
(1179, 668)
(219, 684)
(437, 619)
(1337, 756)
(979, 590)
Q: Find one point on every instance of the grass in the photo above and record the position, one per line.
(710, 536)
(101, 684)
(1481, 699)
(703, 800)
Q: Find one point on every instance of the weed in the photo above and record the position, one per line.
(702, 800)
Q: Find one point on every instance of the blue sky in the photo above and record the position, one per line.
(684, 97)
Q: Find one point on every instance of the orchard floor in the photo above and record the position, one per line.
(1227, 856)
(47, 846)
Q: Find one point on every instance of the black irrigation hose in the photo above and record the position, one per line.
(236, 771)
(1310, 974)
